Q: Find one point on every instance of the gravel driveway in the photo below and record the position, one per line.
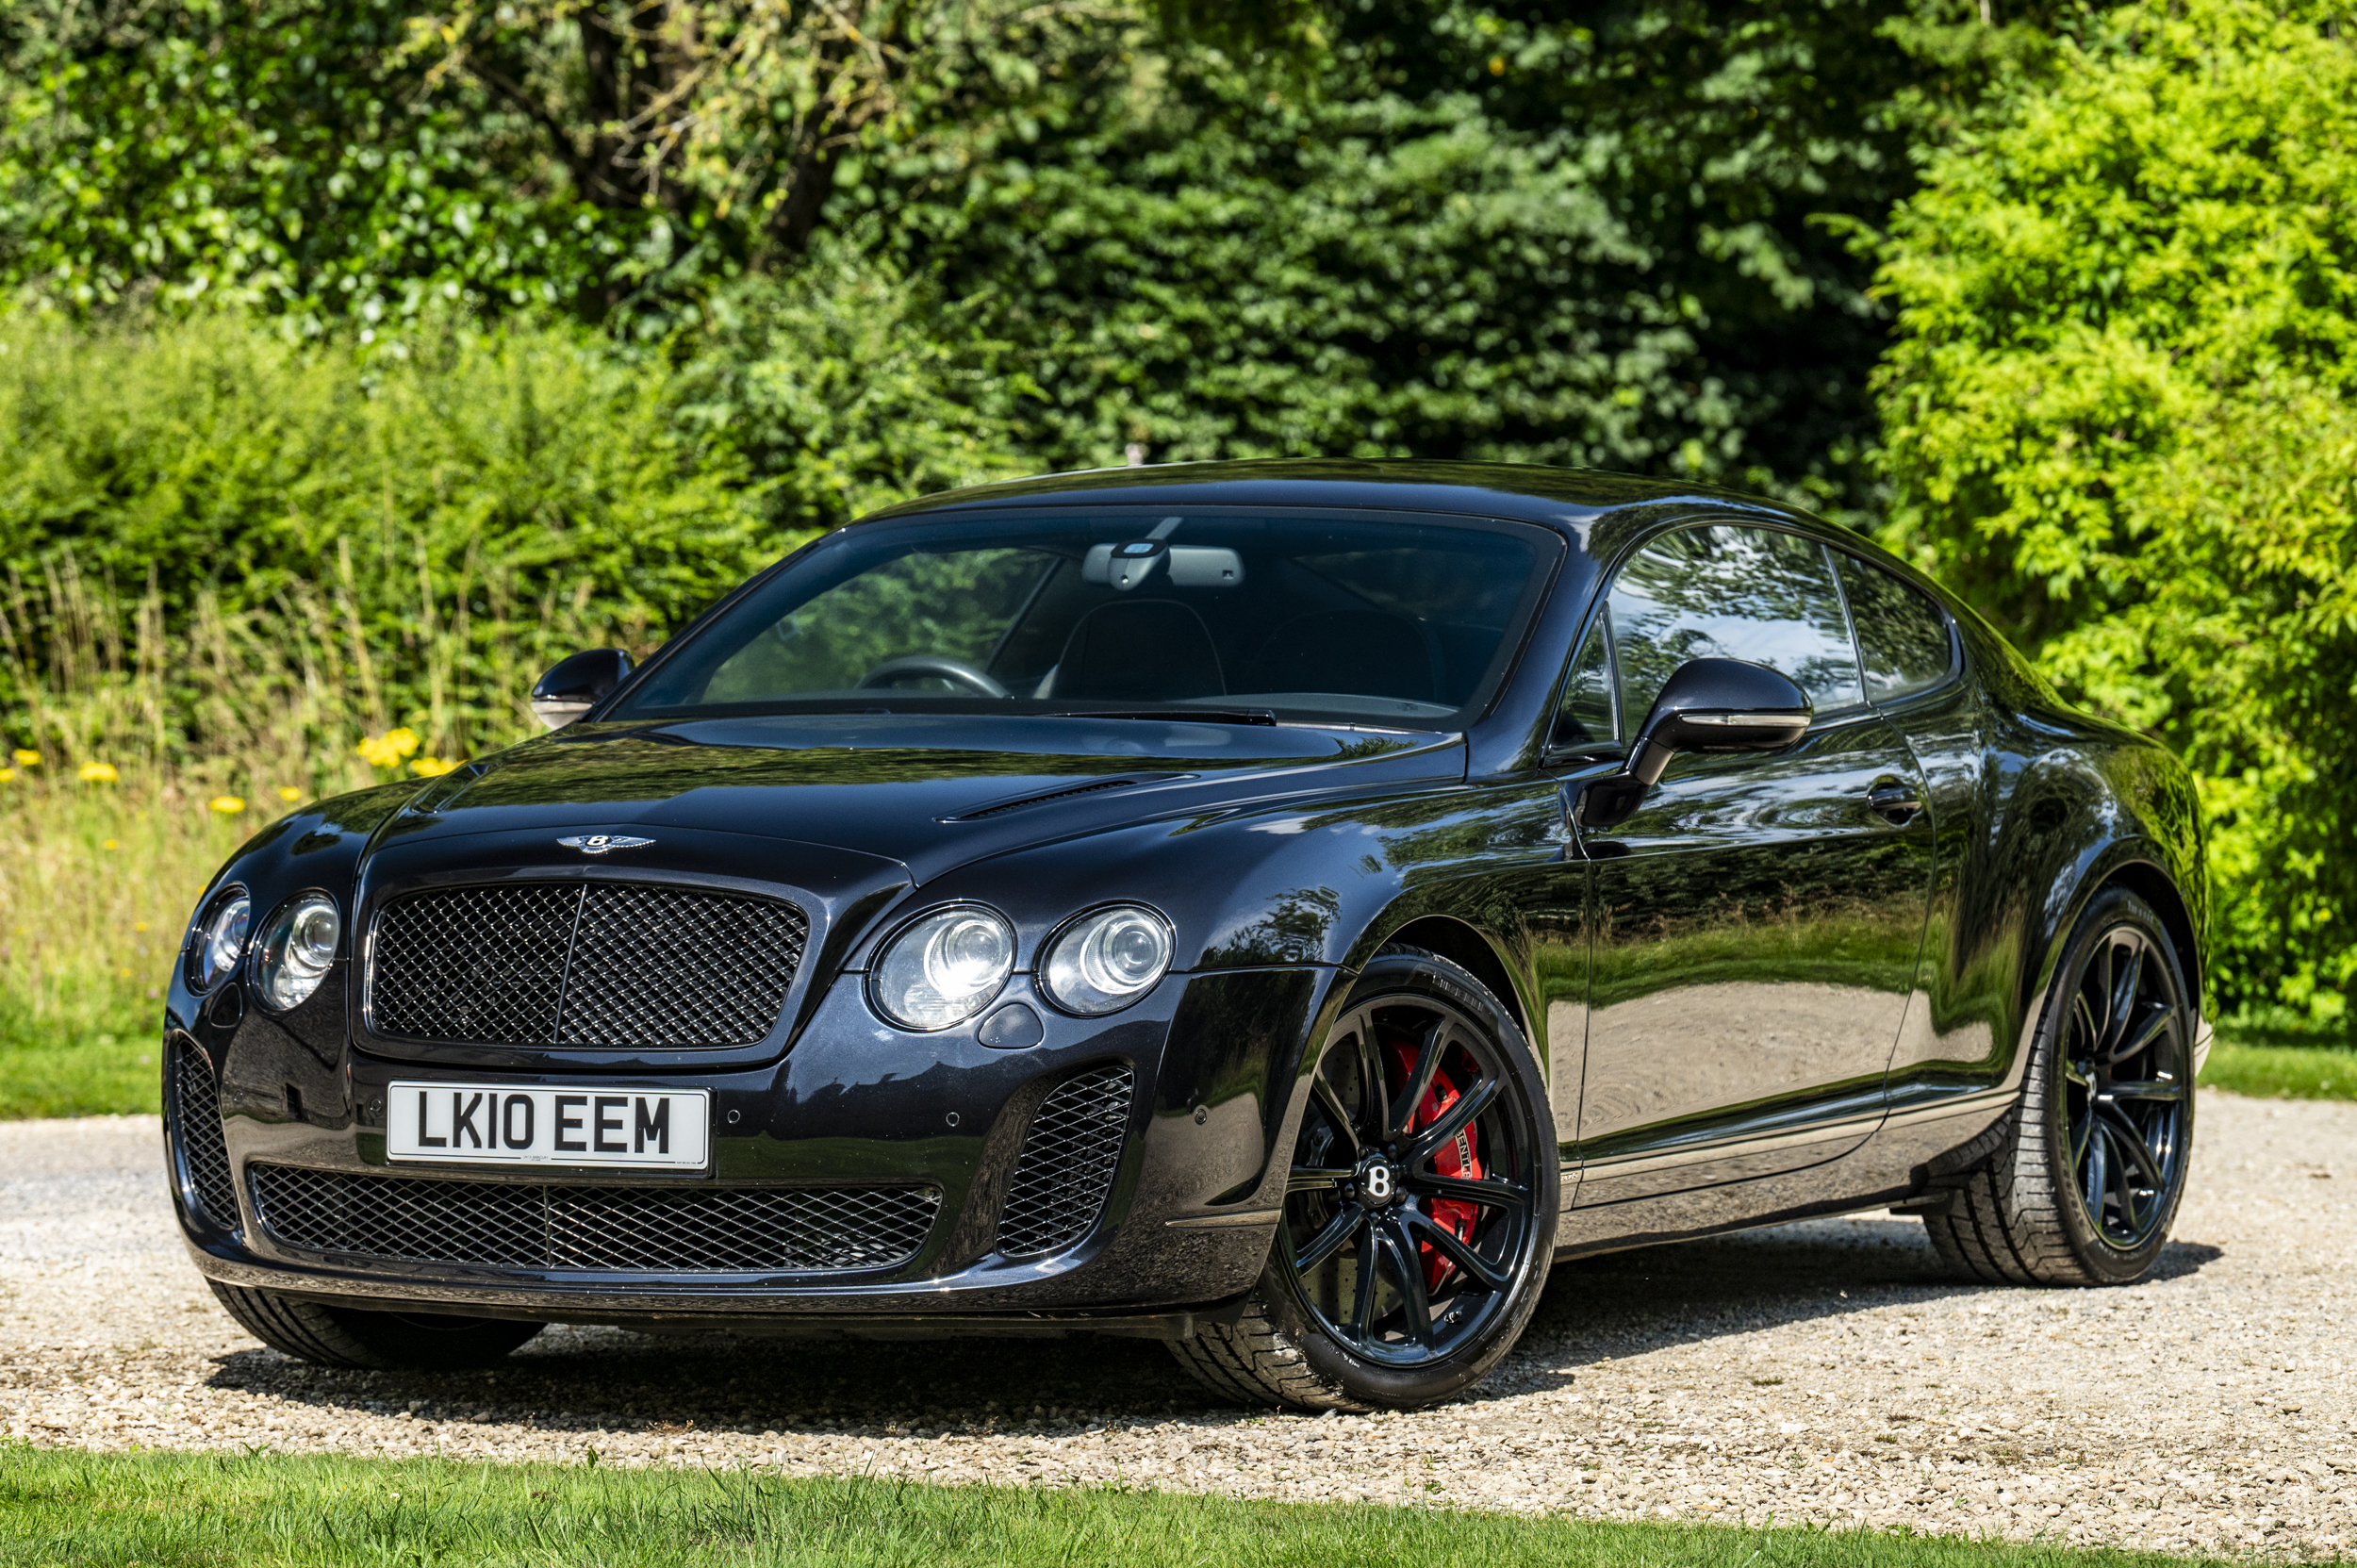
(1821, 1371)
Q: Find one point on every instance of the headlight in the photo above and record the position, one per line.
(945, 967)
(298, 947)
(1105, 961)
(220, 941)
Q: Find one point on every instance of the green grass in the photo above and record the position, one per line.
(2283, 1072)
(107, 1073)
(154, 1509)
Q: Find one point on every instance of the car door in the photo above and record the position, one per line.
(1755, 924)
(1947, 1052)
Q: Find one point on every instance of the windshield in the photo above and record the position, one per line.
(1295, 618)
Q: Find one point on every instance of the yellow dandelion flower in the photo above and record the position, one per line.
(228, 805)
(386, 751)
(8, 775)
(139, 925)
(111, 844)
(434, 768)
(288, 792)
(99, 773)
(27, 759)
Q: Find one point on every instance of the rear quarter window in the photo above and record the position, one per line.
(1903, 642)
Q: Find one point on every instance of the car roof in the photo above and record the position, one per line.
(1568, 499)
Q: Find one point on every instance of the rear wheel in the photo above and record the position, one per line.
(353, 1336)
(1420, 1214)
(2089, 1171)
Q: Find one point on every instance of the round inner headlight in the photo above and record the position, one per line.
(298, 947)
(945, 967)
(1105, 961)
(220, 941)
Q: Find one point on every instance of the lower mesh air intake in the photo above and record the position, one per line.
(651, 1229)
(1069, 1157)
(196, 1127)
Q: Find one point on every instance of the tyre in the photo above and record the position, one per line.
(2088, 1171)
(1419, 1217)
(353, 1336)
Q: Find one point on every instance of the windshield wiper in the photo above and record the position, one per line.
(1204, 715)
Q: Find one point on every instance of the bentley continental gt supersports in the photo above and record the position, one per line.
(1278, 908)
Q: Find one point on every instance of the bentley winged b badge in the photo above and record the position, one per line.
(598, 843)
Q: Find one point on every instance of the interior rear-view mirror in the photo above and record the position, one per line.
(1705, 706)
(1131, 563)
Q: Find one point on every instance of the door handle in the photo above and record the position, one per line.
(1895, 803)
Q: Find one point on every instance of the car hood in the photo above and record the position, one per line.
(928, 791)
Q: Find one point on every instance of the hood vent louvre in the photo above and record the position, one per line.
(1095, 786)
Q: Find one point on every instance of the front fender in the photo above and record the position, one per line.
(1303, 895)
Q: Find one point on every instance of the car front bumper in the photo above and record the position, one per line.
(1187, 1210)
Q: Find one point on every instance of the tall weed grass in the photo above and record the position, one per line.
(375, 536)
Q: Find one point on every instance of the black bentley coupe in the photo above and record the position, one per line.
(1277, 908)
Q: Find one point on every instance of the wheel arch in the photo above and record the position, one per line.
(1466, 947)
(2153, 885)
(2132, 865)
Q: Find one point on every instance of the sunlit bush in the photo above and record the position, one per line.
(2118, 414)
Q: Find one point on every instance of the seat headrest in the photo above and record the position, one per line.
(1139, 650)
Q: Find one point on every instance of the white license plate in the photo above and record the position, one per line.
(497, 1124)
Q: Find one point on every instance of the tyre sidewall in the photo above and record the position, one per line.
(1363, 1382)
(2106, 1263)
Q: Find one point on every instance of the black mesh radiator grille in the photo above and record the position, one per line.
(1069, 1156)
(651, 1229)
(196, 1121)
(616, 965)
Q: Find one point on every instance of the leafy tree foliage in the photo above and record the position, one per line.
(275, 156)
(1588, 235)
(1568, 232)
(2117, 412)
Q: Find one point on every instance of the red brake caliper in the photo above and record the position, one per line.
(1461, 1157)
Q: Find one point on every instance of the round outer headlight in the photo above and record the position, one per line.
(298, 947)
(1107, 959)
(944, 967)
(220, 941)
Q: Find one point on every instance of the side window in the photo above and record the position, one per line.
(1902, 637)
(1732, 593)
(1585, 717)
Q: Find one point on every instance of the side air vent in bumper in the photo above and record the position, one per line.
(196, 1131)
(1069, 1157)
(645, 1229)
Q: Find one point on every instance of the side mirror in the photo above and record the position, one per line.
(1707, 705)
(577, 685)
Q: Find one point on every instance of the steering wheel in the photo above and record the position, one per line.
(941, 665)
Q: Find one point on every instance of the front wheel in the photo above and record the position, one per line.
(1420, 1212)
(2090, 1166)
(362, 1337)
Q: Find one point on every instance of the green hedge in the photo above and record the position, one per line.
(417, 527)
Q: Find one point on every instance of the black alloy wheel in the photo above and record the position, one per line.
(1420, 1206)
(2126, 1070)
(1408, 1214)
(2079, 1184)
